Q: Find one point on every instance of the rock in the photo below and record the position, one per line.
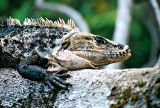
(16, 91)
(112, 88)
(90, 89)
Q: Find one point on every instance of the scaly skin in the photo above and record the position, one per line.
(40, 49)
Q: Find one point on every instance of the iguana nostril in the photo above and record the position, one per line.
(128, 50)
(120, 46)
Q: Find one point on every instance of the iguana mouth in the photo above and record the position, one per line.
(121, 53)
(119, 56)
(102, 57)
(115, 54)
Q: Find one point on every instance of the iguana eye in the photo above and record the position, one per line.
(87, 38)
(100, 40)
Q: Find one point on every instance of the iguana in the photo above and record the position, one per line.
(40, 49)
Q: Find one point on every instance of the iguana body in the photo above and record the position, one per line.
(39, 47)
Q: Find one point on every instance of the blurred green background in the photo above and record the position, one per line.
(100, 16)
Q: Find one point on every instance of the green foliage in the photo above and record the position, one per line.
(140, 44)
(102, 24)
(100, 16)
(3, 5)
(24, 8)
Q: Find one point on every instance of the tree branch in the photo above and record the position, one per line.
(73, 14)
(157, 15)
(156, 10)
(122, 25)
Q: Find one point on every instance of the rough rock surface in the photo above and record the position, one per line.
(90, 89)
(17, 92)
(112, 88)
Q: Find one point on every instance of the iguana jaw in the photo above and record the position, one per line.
(101, 57)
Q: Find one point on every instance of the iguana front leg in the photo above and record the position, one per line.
(31, 71)
(62, 41)
(45, 53)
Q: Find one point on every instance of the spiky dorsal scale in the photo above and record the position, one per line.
(71, 23)
(39, 22)
(9, 22)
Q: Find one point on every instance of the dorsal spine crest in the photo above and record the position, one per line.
(38, 22)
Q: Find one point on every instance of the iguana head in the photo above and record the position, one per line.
(98, 50)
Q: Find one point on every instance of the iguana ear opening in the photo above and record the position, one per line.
(66, 44)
